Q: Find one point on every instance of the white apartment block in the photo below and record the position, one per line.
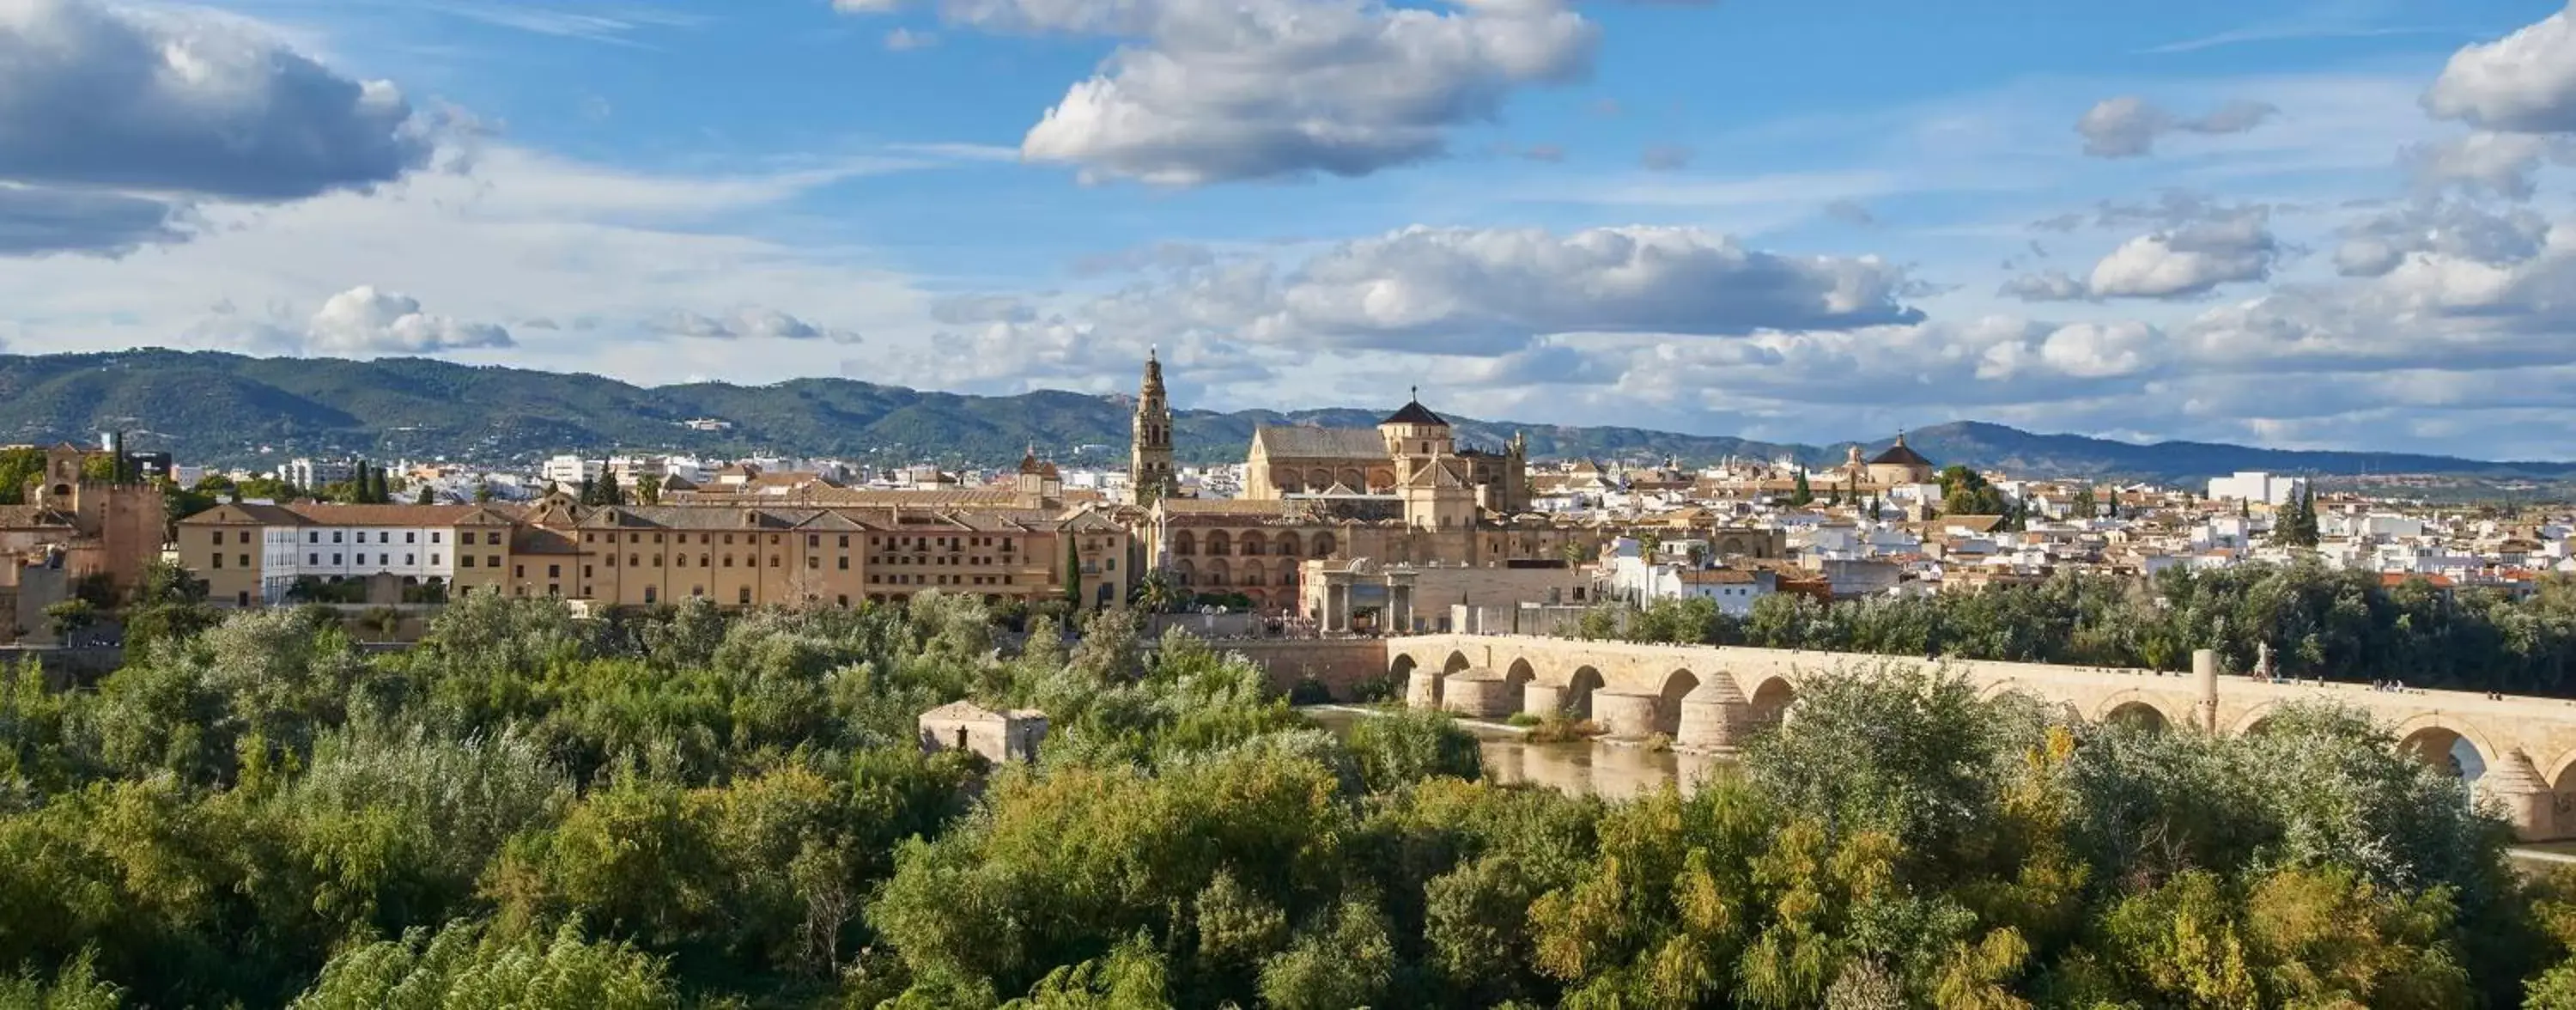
(2256, 486)
(308, 473)
(570, 471)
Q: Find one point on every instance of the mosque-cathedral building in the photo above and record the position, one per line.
(1404, 492)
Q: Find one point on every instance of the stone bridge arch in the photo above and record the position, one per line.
(1771, 700)
(1668, 702)
(2138, 708)
(2254, 720)
(2435, 739)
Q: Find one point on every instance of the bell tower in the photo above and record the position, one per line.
(1149, 461)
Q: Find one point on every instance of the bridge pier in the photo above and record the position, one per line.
(1715, 717)
(1479, 694)
(1542, 700)
(2514, 785)
(1422, 688)
(1624, 715)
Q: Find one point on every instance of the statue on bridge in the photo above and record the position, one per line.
(2263, 661)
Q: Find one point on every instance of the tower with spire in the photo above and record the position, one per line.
(1149, 460)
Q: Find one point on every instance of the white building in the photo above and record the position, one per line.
(1642, 581)
(570, 471)
(2256, 486)
(308, 473)
(331, 542)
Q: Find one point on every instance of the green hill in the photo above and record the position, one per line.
(227, 409)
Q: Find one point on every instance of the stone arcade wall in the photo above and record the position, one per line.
(1711, 698)
(1342, 664)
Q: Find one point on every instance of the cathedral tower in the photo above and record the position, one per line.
(1149, 461)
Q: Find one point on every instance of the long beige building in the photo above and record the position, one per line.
(1018, 544)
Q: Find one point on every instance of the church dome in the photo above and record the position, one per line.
(1414, 413)
(1899, 455)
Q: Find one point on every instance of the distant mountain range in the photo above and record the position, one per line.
(227, 409)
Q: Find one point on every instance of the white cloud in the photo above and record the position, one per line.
(174, 106)
(1220, 90)
(906, 40)
(519, 236)
(2208, 246)
(2127, 126)
(2484, 162)
(2187, 261)
(748, 323)
(2376, 245)
(1022, 355)
(364, 321)
(2524, 82)
(1467, 290)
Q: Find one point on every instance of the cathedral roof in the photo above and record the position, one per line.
(1305, 442)
(1437, 475)
(1414, 412)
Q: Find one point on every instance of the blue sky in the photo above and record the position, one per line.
(2309, 224)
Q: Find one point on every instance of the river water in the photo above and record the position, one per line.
(1611, 771)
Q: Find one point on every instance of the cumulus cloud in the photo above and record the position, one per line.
(2484, 162)
(2524, 82)
(752, 323)
(2128, 126)
(2378, 244)
(1469, 290)
(104, 106)
(367, 321)
(1015, 356)
(2187, 261)
(2192, 259)
(906, 40)
(1209, 91)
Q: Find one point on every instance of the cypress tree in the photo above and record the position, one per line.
(1804, 494)
(1072, 570)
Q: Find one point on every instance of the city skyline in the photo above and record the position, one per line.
(2319, 226)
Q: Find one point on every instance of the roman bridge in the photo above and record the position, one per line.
(1709, 698)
